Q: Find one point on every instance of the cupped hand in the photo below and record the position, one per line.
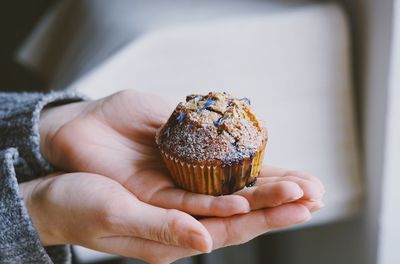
(99, 213)
(115, 137)
(87, 209)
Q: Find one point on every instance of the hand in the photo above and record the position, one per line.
(87, 209)
(274, 185)
(115, 137)
(97, 212)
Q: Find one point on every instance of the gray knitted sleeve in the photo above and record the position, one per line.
(19, 128)
(20, 160)
(19, 242)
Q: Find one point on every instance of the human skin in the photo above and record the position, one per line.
(99, 213)
(114, 137)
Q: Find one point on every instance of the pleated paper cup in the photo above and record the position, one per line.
(214, 178)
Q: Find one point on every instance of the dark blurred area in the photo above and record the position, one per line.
(17, 19)
(81, 35)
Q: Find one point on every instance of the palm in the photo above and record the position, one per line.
(115, 137)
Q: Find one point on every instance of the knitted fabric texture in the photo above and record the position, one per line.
(21, 160)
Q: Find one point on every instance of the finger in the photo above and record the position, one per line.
(271, 171)
(201, 204)
(224, 232)
(271, 194)
(310, 189)
(268, 171)
(169, 196)
(168, 226)
(309, 177)
(312, 206)
(241, 228)
(143, 249)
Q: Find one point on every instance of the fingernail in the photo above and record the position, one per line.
(317, 206)
(247, 209)
(198, 242)
(244, 206)
(299, 194)
(306, 219)
(295, 197)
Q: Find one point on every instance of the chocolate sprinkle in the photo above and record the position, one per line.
(180, 117)
(219, 121)
(209, 102)
(247, 100)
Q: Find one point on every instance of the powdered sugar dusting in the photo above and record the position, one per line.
(214, 127)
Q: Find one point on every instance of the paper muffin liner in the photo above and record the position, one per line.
(208, 178)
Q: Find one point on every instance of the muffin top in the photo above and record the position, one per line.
(213, 127)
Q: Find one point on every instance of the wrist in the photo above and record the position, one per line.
(34, 197)
(52, 119)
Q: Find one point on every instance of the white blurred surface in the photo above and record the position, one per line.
(390, 214)
(76, 36)
(293, 64)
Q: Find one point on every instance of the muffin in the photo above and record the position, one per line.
(213, 144)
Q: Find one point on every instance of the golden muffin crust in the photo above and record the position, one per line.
(214, 127)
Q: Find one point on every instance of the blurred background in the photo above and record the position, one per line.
(324, 75)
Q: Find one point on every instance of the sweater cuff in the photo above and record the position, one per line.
(19, 241)
(19, 128)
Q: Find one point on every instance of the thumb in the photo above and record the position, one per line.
(168, 226)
